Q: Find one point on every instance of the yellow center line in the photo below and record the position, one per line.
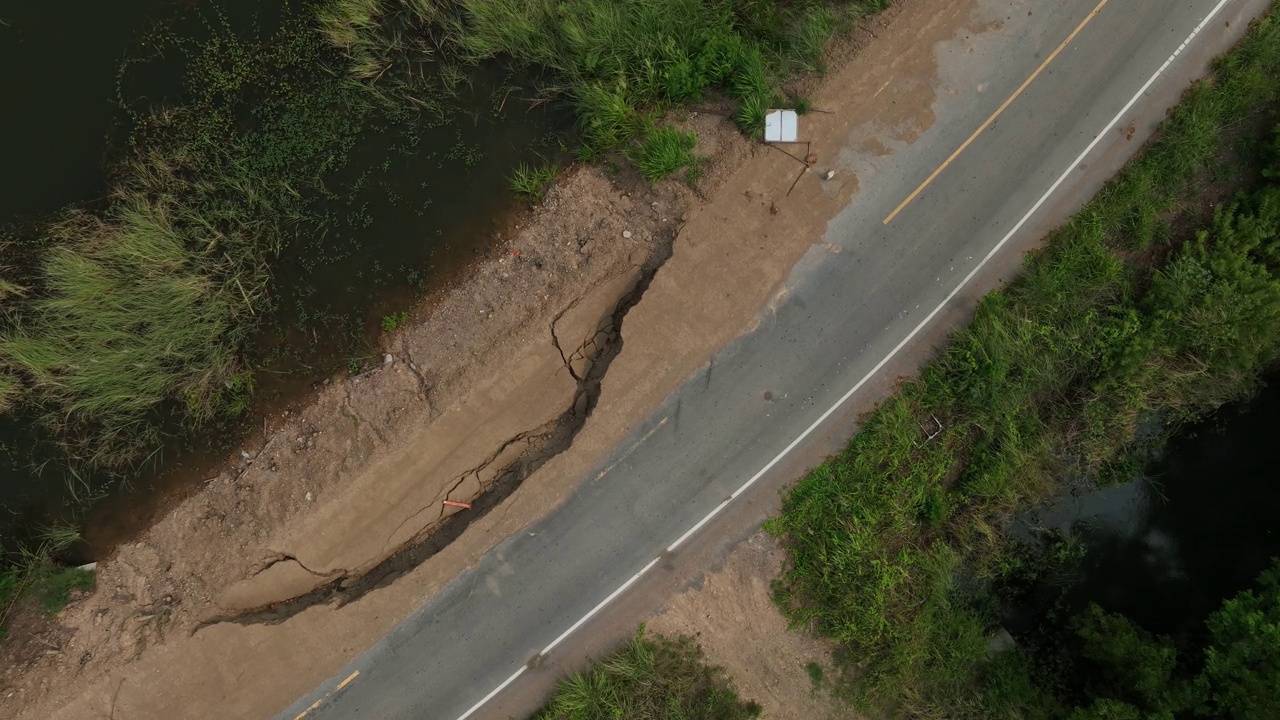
(327, 695)
(1004, 106)
(344, 683)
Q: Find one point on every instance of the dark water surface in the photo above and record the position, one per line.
(58, 94)
(1197, 528)
(416, 200)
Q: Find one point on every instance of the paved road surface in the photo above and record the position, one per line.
(842, 318)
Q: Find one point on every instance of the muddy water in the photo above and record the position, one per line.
(1197, 527)
(414, 203)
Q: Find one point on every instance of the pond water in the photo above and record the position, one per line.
(416, 199)
(1196, 528)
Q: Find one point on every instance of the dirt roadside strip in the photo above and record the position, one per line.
(357, 477)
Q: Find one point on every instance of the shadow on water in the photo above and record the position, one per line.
(1198, 527)
(417, 197)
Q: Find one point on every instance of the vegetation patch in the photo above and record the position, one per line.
(649, 678)
(35, 574)
(1145, 305)
(618, 64)
(532, 181)
(663, 152)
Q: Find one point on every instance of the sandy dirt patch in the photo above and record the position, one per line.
(740, 629)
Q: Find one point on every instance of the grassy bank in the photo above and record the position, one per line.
(620, 65)
(1148, 306)
(129, 325)
(131, 321)
(649, 678)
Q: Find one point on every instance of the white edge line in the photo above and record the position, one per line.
(884, 361)
(582, 620)
(493, 692)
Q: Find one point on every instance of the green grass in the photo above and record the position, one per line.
(663, 152)
(618, 64)
(378, 35)
(649, 678)
(133, 322)
(1049, 381)
(33, 573)
(394, 320)
(815, 673)
(148, 304)
(532, 181)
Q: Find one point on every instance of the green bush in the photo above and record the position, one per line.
(1241, 677)
(649, 678)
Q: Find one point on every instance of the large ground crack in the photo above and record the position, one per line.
(543, 444)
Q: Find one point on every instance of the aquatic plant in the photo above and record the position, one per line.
(532, 181)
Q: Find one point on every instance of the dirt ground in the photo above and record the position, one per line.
(741, 631)
(517, 380)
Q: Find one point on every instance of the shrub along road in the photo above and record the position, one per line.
(877, 287)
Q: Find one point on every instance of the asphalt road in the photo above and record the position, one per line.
(844, 315)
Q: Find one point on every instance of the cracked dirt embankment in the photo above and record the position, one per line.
(388, 444)
(530, 414)
(343, 494)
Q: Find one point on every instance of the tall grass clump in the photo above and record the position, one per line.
(532, 181)
(896, 545)
(34, 573)
(147, 304)
(663, 152)
(649, 678)
(378, 35)
(134, 319)
(620, 62)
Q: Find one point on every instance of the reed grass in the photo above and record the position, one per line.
(377, 34)
(618, 63)
(532, 181)
(135, 317)
(148, 304)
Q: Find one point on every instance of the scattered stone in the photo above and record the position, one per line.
(829, 174)
(387, 359)
(626, 234)
(310, 497)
